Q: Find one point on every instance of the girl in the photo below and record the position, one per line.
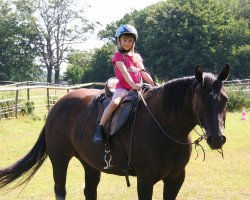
(128, 66)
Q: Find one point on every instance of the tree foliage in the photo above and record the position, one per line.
(174, 36)
(60, 24)
(17, 52)
(92, 66)
(78, 64)
(101, 67)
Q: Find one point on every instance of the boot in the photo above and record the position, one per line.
(99, 135)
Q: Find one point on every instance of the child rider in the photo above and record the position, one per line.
(128, 65)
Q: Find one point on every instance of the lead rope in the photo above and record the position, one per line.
(196, 142)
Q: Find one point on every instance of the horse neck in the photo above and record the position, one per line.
(177, 111)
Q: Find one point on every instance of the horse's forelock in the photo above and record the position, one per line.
(209, 78)
(206, 86)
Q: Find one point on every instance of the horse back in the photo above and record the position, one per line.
(66, 120)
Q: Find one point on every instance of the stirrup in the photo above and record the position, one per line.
(107, 159)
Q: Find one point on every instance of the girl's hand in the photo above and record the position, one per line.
(137, 86)
(156, 84)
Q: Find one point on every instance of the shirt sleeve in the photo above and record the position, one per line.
(139, 58)
(139, 61)
(117, 57)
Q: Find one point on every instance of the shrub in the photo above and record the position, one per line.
(28, 108)
(238, 99)
(6, 109)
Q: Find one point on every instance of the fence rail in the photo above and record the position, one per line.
(15, 97)
(238, 85)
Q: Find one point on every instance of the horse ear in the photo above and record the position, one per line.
(198, 73)
(224, 73)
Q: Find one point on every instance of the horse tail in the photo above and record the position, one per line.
(25, 168)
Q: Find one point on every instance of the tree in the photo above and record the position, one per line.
(101, 67)
(241, 60)
(174, 36)
(91, 66)
(78, 64)
(17, 52)
(60, 25)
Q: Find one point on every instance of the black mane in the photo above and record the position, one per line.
(178, 93)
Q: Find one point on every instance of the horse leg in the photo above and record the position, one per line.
(172, 186)
(60, 167)
(92, 179)
(144, 187)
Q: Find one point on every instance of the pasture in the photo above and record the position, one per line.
(214, 178)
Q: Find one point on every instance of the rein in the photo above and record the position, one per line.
(196, 142)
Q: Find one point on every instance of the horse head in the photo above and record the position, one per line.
(209, 105)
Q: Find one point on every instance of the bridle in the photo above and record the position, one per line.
(196, 110)
(196, 142)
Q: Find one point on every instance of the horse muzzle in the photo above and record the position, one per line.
(216, 142)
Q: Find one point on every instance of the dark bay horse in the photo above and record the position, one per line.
(178, 106)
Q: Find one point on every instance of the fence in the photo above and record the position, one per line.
(237, 85)
(17, 97)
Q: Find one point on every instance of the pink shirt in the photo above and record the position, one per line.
(133, 65)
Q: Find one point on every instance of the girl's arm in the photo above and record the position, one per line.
(126, 75)
(145, 76)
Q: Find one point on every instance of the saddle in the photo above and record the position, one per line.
(120, 117)
(123, 116)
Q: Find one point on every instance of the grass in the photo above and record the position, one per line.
(214, 178)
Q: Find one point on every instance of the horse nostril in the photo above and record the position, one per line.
(224, 139)
(216, 142)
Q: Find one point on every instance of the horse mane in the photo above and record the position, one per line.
(174, 93)
(177, 92)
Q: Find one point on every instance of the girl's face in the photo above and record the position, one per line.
(126, 42)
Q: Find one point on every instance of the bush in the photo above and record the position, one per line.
(6, 109)
(238, 99)
(28, 108)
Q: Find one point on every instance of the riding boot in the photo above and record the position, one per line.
(99, 135)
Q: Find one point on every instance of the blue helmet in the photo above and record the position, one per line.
(126, 29)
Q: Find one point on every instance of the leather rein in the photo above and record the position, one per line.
(196, 142)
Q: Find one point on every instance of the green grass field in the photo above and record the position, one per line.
(212, 179)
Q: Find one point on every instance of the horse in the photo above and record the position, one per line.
(161, 148)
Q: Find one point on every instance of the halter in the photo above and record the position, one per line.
(196, 142)
(204, 136)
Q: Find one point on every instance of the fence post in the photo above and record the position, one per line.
(16, 107)
(28, 91)
(48, 97)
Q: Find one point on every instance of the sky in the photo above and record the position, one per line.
(107, 11)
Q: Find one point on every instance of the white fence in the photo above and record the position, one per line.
(15, 98)
(236, 85)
